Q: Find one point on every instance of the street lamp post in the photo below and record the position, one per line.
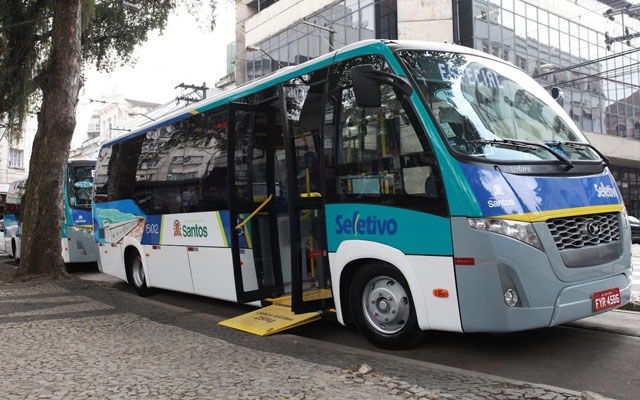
(256, 48)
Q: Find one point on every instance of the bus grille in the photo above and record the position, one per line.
(585, 230)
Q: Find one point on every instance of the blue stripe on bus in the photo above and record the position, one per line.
(500, 194)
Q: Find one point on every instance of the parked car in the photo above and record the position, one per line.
(634, 223)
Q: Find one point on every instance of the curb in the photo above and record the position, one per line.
(631, 306)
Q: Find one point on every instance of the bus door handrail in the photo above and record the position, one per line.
(253, 214)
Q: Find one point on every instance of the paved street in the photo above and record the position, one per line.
(79, 339)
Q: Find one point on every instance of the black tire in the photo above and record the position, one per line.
(382, 307)
(136, 276)
(13, 249)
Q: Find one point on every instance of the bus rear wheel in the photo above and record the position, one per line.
(382, 307)
(14, 249)
(137, 277)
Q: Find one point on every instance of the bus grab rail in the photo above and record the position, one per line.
(257, 210)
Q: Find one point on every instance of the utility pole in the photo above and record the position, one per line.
(200, 91)
(332, 32)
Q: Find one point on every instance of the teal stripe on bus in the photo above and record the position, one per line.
(409, 231)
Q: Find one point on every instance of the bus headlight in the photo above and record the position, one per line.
(522, 231)
(84, 229)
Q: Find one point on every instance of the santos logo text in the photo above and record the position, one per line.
(189, 231)
(370, 225)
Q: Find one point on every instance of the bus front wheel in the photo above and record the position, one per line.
(382, 307)
(136, 275)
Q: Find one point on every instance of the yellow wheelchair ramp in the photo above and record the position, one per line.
(269, 320)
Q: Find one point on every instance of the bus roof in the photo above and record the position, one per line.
(16, 191)
(282, 75)
(81, 161)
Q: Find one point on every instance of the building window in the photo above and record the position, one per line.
(386, 19)
(15, 158)
(342, 23)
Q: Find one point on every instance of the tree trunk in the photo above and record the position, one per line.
(40, 252)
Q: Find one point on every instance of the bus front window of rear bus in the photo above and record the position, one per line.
(485, 113)
(80, 185)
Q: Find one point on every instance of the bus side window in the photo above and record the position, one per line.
(382, 154)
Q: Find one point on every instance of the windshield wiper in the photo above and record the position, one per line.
(527, 144)
(604, 158)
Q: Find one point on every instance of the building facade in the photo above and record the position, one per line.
(585, 53)
(14, 158)
(117, 117)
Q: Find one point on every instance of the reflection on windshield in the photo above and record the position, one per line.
(485, 108)
(80, 184)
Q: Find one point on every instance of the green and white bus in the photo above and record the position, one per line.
(402, 186)
(77, 242)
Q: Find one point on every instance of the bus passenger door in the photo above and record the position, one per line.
(305, 147)
(253, 211)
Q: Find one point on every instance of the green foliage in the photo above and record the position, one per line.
(111, 30)
(25, 27)
(114, 30)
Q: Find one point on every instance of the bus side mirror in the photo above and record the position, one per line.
(366, 87)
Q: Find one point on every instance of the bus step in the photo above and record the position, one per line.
(269, 320)
(309, 295)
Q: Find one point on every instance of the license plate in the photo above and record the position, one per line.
(606, 299)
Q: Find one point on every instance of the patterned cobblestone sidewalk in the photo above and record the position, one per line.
(77, 340)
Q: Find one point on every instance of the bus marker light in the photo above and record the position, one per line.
(464, 261)
(147, 255)
(442, 293)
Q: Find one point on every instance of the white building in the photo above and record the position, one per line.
(14, 158)
(117, 117)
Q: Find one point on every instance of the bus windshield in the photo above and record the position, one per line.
(80, 185)
(491, 110)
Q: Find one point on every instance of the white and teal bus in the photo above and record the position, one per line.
(77, 241)
(401, 186)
